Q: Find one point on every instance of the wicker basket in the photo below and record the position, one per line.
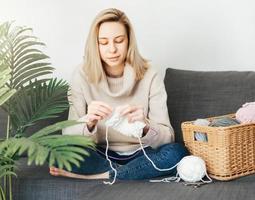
(229, 152)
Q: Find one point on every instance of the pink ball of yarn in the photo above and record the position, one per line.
(246, 114)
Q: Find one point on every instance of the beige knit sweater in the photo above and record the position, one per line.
(148, 92)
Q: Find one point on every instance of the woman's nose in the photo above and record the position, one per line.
(112, 48)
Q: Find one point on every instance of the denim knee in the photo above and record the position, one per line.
(92, 164)
(174, 150)
(164, 157)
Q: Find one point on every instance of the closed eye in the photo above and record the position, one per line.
(119, 40)
(103, 42)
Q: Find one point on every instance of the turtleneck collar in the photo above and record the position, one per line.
(121, 86)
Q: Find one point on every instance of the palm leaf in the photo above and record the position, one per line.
(60, 150)
(7, 166)
(5, 92)
(37, 101)
(17, 48)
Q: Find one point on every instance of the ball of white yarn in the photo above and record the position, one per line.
(191, 169)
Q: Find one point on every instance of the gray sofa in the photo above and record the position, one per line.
(191, 95)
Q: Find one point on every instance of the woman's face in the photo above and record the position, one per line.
(113, 44)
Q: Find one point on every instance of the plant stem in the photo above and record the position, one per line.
(5, 186)
(10, 187)
(9, 176)
(2, 195)
(7, 137)
(8, 128)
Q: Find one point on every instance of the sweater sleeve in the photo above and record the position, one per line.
(77, 108)
(160, 131)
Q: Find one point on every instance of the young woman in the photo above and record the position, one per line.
(114, 76)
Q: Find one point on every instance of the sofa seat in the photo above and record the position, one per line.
(35, 183)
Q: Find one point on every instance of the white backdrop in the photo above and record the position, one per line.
(184, 34)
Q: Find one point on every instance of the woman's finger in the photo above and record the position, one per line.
(129, 109)
(97, 112)
(138, 115)
(102, 104)
(136, 118)
(92, 117)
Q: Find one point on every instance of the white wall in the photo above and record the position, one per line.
(184, 34)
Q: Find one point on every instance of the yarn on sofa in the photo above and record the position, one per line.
(223, 121)
(246, 114)
(191, 169)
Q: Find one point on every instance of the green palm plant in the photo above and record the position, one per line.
(6, 164)
(18, 49)
(28, 65)
(5, 92)
(28, 96)
(6, 169)
(63, 150)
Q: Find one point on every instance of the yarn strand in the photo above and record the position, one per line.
(106, 154)
(210, 180)
(145, 154)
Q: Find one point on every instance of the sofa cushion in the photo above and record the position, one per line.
(200, 94)
(35, 183)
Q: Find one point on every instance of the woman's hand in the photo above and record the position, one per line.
(97, 111)
(134, 113)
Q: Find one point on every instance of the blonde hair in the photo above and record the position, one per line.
(92, 62)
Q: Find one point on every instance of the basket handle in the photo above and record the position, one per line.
(200, 136)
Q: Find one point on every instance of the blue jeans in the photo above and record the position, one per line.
(135, 166)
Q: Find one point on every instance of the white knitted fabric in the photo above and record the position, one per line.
(122, 125)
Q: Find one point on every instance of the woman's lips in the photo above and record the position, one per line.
(113, 58)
